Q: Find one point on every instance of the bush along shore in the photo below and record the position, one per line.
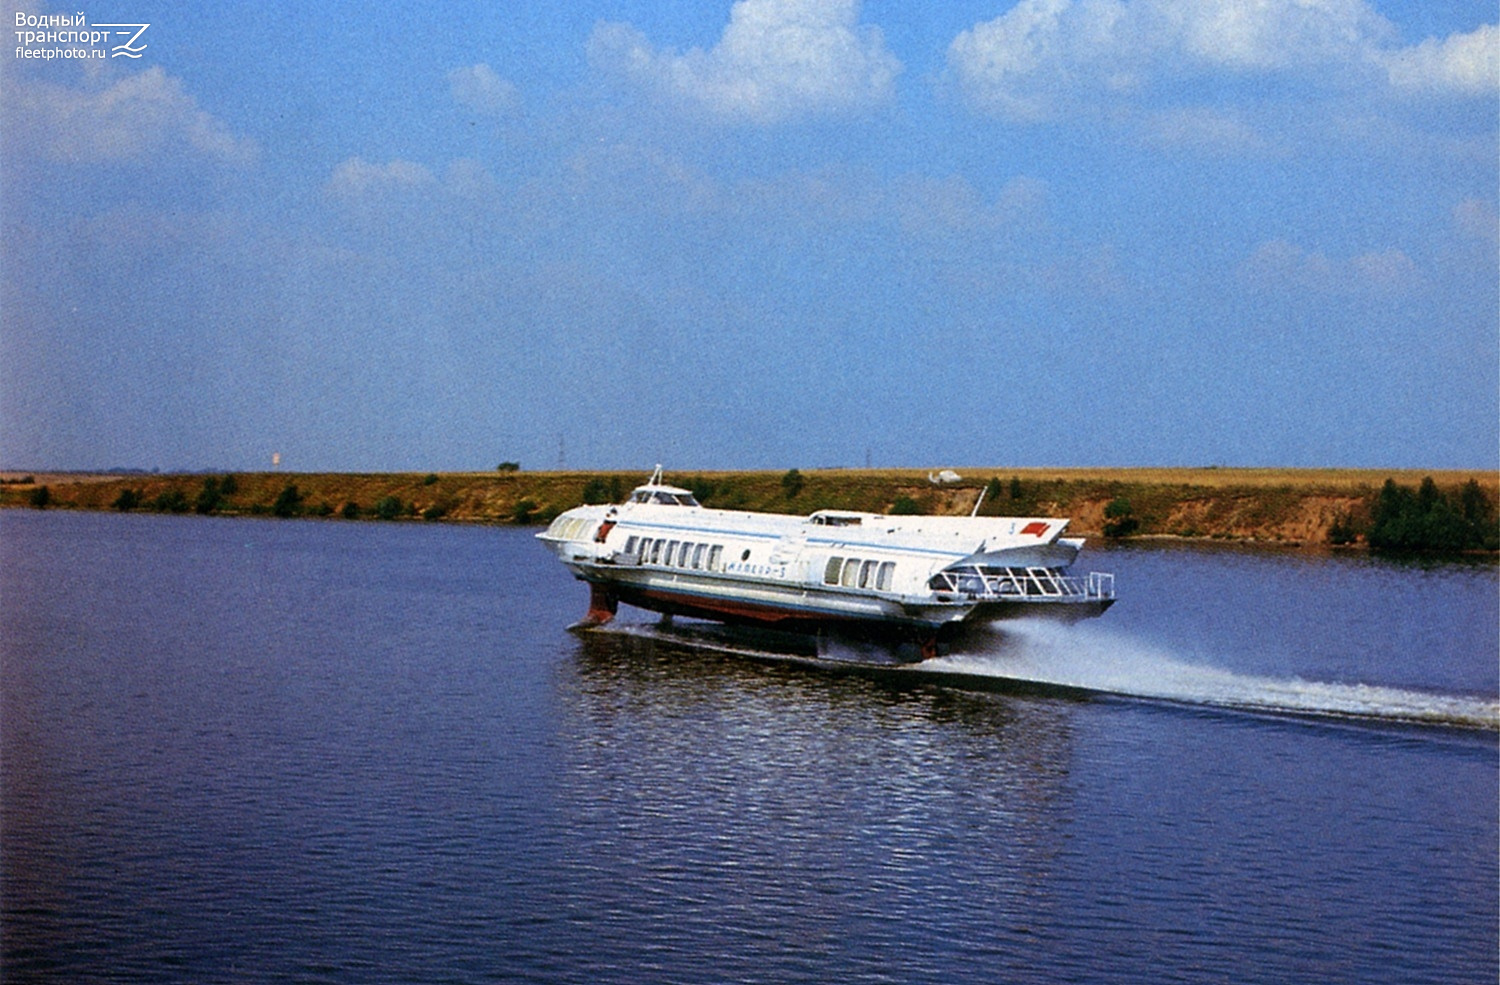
(1405, 512)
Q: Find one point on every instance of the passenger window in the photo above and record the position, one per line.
(831, 573)
(867, 574)
(715, 554)
(851, 573)
(698, 550)
(671, 550)
(655, 551)
(630, 545)
(883, 580)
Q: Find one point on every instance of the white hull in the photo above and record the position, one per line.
(663, 552)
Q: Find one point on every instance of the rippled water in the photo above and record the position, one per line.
(271, 750)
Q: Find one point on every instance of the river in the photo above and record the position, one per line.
(237, 750)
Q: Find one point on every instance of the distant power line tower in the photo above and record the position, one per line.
(562, 454)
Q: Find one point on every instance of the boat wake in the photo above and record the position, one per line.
(1044, 657)
(1101, 661)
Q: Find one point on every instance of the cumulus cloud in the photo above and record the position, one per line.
(1461, 63)
(1044, 58)
(776, 60)
(479, 88)
(1278, 265)
(134, 118)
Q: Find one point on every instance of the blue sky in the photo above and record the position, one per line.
(763, 234)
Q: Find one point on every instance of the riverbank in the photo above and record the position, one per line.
(1293, 507)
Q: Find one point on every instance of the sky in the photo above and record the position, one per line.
(754, 235)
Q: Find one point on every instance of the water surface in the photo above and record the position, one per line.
(252, 750)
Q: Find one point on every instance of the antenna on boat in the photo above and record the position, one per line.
(655, 476)
(982, 490)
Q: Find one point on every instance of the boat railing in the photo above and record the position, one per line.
(1024, 582)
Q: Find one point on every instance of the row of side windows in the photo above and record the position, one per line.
(675, 554)
(854, 572)
(569, 527)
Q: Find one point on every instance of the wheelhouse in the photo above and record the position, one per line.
(663, 496)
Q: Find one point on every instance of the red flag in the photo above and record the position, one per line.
(1036, 527)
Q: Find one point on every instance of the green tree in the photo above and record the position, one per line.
(597, 490)
(128, 500)
(1120, 519)
(906, 506)
(1479, 516)
(1429, 520)
(350, 511)
(171, 501)
(792, 483)
(702, 489)
(288, 503)
(388, 508)
(41, 497)
(210, 498)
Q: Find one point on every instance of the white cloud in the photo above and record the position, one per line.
(381, 187)
(137, 117)
(1476, 219)
(1204, 128)
(776, 60)
(357, 178)
(1387, 272)
(1461, 63)
(953, 205)
(1045, 58)
(1024, 64)
(1271, 34)
(1278, 266)
(479, 88)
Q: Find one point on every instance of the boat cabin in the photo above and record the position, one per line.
(663, 496)
(828, 518)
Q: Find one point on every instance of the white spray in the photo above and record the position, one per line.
(1099, 659)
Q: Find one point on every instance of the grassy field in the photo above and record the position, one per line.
(1277, 506)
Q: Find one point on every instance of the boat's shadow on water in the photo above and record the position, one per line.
(889, 663)
(1042, 660)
